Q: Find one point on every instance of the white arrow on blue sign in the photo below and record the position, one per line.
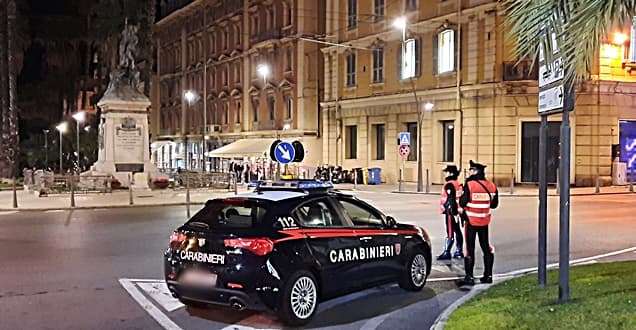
(284, 153)
(405, 138)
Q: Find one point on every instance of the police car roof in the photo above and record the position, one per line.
(300, 185)
(274, 195)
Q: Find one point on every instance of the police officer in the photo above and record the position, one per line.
(478, 197)
(448, 207)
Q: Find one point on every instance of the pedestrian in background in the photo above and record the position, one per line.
(448, 207)
(479, 196)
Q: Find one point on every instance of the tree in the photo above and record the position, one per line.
(578, 25)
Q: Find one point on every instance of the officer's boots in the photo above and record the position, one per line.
(458, 252)
(468, 280)
(448, 245)
(489, 260)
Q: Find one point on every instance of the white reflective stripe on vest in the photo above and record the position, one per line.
(477, 215)
(478, 205)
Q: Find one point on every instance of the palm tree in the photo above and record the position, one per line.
(4, 91)
(8, 92)
(579, 25)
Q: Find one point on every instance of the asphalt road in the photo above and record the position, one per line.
(62, 269)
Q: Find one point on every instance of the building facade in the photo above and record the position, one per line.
(449, 76)
(250, 75)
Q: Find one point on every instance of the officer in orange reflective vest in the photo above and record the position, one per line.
(448, 207)
(478, 197)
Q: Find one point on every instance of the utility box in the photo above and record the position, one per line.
(619, 174)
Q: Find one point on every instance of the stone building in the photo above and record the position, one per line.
(466, 94)
(214, 48)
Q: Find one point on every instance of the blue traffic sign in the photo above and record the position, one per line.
(284, 153)
(405, 138)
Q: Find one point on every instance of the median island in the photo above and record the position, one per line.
(602, 296)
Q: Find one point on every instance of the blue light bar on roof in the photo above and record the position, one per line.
(297, 184)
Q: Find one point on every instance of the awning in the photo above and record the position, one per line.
(244, 148)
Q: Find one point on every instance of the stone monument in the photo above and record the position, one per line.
(123, 127)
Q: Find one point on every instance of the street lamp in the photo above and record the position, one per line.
(79, 118)
(264, 71)
(46, 148)
(62, 129)
(400, 23)
(190, 96)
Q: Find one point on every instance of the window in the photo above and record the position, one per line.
(446, 51)
(448, 140)
(287, 10)
(290, 105)
(351, 70)
(271, 103)
(410, 5)
(237, 72)
(270, 18)
(378, 65)
(238, 112)
(255, 105)
(255, 23)
(361, 215)
(351, 142)
(412, 128)
(224, 75)
(352, 13)
(317, 213)
(288, 59)
(378, 130)
(409, 59)
(226, 113)
(378, 10)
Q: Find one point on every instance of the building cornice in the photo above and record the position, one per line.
(186, 10)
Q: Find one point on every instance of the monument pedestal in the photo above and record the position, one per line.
(124, 146)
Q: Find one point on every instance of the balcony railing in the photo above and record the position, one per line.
(267, 35)
(513, 71)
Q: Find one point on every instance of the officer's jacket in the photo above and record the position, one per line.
(443, 201)
(480, 195)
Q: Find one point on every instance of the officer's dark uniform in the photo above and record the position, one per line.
(478, 197)
(448, 207)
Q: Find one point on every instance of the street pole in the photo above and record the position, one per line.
(46, 149)
(61, 169)
(564, 201)
(543, 202)
(78, 145)
(420, 187)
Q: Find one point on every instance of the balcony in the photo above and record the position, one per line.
(513, 71)
(267, 35)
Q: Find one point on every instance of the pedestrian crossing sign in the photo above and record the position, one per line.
(405, 138)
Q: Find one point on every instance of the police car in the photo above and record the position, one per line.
(287, 246)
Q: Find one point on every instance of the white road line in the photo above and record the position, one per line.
(8, 212)
(150, 308)
(54, 211)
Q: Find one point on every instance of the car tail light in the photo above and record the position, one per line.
(258, 246)
(177, 238)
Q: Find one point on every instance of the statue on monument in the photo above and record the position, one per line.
(126, 73)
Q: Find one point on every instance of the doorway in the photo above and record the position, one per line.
(530, 151)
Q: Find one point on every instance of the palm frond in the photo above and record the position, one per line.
(580, 26)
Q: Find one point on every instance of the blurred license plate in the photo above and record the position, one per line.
(198, 277)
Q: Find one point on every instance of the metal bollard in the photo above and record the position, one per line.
(631, 182)
(70, 182)
(15, 194)
(400, 182)
(598, 184)
(428, 183)
(512, 181)
(187, 177)
(235, 184)
(130, 194)
(355, 179)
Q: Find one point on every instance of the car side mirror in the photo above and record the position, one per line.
(390, 221)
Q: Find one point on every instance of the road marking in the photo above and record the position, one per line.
(54, 211)
(147, 305)
(159, 292)
(8, 212)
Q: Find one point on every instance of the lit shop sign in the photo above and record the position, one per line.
(628, 143)
(408, 59)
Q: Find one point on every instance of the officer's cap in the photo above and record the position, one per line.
(452, 169)
(476, 166)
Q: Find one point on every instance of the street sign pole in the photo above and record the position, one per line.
(564, 203)
(543, 199)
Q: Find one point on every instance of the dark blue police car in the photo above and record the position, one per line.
(289, 245)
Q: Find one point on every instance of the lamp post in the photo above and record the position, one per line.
(264, 71)
(79, 118)
(190, 96)
(62, 129)
(46, 148)
(428, 106)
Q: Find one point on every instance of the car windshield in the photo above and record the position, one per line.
(230, 213)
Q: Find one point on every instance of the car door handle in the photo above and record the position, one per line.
(366, 238)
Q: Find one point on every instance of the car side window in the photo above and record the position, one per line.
(360, 214)
(317, 213)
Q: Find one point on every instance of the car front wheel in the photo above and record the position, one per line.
(300, 299)
(414, 274)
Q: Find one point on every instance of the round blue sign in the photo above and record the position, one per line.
(284, 153)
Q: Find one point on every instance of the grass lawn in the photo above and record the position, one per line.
(602, 296)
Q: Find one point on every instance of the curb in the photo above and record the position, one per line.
(442, 319)
(68, 208)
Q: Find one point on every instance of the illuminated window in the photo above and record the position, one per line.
(378, 65)
(409, 59)
(448, 140)
(446, 51)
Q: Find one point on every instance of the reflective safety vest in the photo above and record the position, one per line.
(478, 207)
(444, 196)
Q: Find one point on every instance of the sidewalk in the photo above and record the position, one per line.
(28, 200)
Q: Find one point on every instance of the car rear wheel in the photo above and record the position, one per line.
(414, 274)
(300, 299)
